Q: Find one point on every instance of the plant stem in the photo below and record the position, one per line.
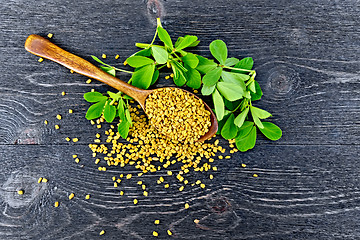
(240, 69)
(122, 70)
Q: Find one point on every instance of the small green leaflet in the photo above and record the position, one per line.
(229, 130)
(231, 61)
(244, 143)
(245, 63)
(260, 113)
(145, 52)
(121, 110)
(155, 77)
(212, 77)
(123, 128)
(179, 75)
(95, 110)
(207, 90)
(230, 91)
(139, 61)
(240, 119)
(99, 61)
(142, 77)
(252, 86)
(223, 121)
(94, 97)
(179, 40)
(219, 50)
(271, 131)
(160, 54)
(109, 70)
(257, 95)
(191, 60)
(205, 65)
(219, 105)
(127, 116)
(165, 37)
(114, 96)
(186, 42)
(256, 119)
(194, 79)
(237, 78)
(231, 105)
(109, 112)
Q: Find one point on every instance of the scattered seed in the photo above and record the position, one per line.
(68, 139)
(71, 111)
(75, 139)
(77, 160)
(102, 232)
(135, 201)
(157, 222)
(40, 60)
(58, 116)
(187, 205)
(121, 193)
(20, 192)
(117, 56)
(44, 180)
(39, 180)
(57, 126)
(88, 81)
(46, 122)
(255, 175)
(63, 93)
(50, 35)
(103, 55)
(196, 221)
(87, 196)
(56, 204)
(71, 196)
(155, 234)
(243, 165)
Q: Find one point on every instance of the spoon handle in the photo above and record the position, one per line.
(44, 48)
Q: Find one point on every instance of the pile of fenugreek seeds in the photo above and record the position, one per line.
(177, 114)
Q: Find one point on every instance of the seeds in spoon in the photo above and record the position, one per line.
(178, 114)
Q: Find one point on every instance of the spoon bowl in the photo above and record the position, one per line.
(44, 48)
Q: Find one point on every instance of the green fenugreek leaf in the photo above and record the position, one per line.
(109, 70)
(205, 65)
(219, 105)
(94, 97)
(155, 77)
(260, 113)
(247, 141)
(95, 110)
(193, 78)
(99, 61)
(138, 61)
(144, 52)
(186, 42)
(240, 119)
(231, 61)
(212, 77)
(142, 77)
(207, 90)
(191, 60)
(258, 92)
(219, 50)
(128, 117)
(223, 121)
(229, 130)
(271, 131)
(245, 63)
(121, 109)
(160, 54)
(237, 78)
(230, 91)
(256, 119)
(123, 128)
(252, 86)
(109, 112)
(114, 96)
(165, 37)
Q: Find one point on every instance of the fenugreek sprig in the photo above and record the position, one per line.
(230, 81)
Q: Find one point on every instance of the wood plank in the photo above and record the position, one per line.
(295, 196)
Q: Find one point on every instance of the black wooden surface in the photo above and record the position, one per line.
(307, 58)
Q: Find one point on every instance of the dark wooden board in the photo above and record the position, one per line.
(307, 59)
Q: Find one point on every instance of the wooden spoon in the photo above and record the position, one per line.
(44, 48)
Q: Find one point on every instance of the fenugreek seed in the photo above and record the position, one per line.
(211, 176)
(181, 188)
(187, 205)
(40, 60)
(139, 182)
(88, 81)
(220, 157)
(255, 175)
(135, 201)
(75, 139)
(87, 196)
(227, 157)
(67, 139)
(155, 234)
(44, 180)
(102, 232)
(57, 126)
(92, 90)
(71, 111)
(117, 56)
(243, 165)
(98, 126)
(50, 35)
(198, 182)
(115, 184)
(72, 71)
(56, 204)
(74, 156)
(77, 160)
(143, 187)
(20, 192)
(71, 196)
(92, 122)
(214, 169)
(121, 193)
(128, 176)
(39, 180)
(97, 161)
(146, 193)
(169, 232)
(58, 116)
(45, 122)
(97, 135)
(167, 185)
(103, 55)
(63, 93)
(196, 221)
(169, 173)
(157, 222)
(167, 77)
(202, 185)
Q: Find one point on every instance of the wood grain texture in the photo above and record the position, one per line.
(307, 59)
